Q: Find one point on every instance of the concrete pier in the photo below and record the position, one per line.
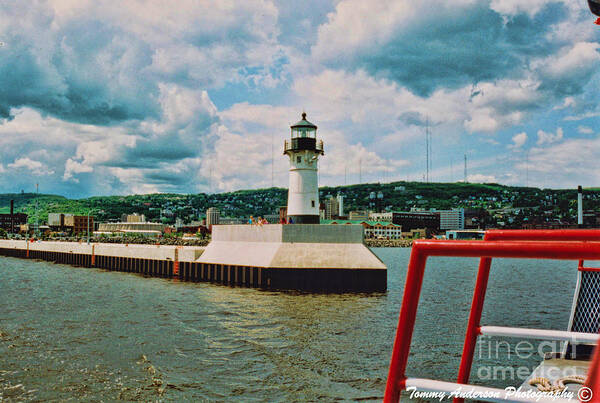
(151, 260)
(299, 257)
(331, 258)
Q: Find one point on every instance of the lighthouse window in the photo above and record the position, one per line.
(298, 159)
(312, 203)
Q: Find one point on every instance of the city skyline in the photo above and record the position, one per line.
(100, 100)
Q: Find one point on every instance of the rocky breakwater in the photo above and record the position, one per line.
(388, 243)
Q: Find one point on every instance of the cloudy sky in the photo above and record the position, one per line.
(98, 98)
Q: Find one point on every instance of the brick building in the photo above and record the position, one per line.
(12, 222)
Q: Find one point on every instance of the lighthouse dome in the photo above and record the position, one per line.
(304, 128)
(304, 123)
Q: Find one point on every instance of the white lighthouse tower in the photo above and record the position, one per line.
(304, 151)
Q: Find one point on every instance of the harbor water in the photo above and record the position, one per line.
(88, 334)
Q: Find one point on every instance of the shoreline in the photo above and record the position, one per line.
(388, 243)
(371, 243)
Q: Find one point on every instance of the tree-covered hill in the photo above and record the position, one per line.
(397, 196)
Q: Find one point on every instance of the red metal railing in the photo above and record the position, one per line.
(575, 245)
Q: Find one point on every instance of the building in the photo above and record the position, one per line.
(212, 217)
(373, 229)
(452, 219)
(79, 224)
(12, 222)
(303, 150)
(474, 218)
(359, 215)
(417, 219)
(388, 216)
(135, 217)
(76, 224)
(56, 220)
(137, 228)
(331, 208)
(465, 234)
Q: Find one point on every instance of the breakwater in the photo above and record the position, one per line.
(388, 243)
(150, 260)
(186, 263)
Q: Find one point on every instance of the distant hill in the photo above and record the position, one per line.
(397, 196)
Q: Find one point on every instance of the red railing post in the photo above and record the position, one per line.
(406, 324)
(593, 380)
(466, 361)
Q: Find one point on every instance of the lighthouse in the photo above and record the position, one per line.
(303, 257)
(304, 150)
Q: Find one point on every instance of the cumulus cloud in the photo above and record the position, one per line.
(567, 103)
(549, 138)
(501, 61)
(560, 165)
(461, 43)
(586, 115)
(518, 140)
(92, 62)
(568, 71)
(119, 95)
(141, 97)
(27, 164)
(184, 131)
(363, 99)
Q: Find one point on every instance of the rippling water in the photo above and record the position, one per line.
(86, 334)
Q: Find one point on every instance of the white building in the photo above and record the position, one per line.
(381, 216)
(55, 219)
(135, 217)
(304, 150)
(212, 217)
(334, 207)
(134, 228)
(373, 229)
